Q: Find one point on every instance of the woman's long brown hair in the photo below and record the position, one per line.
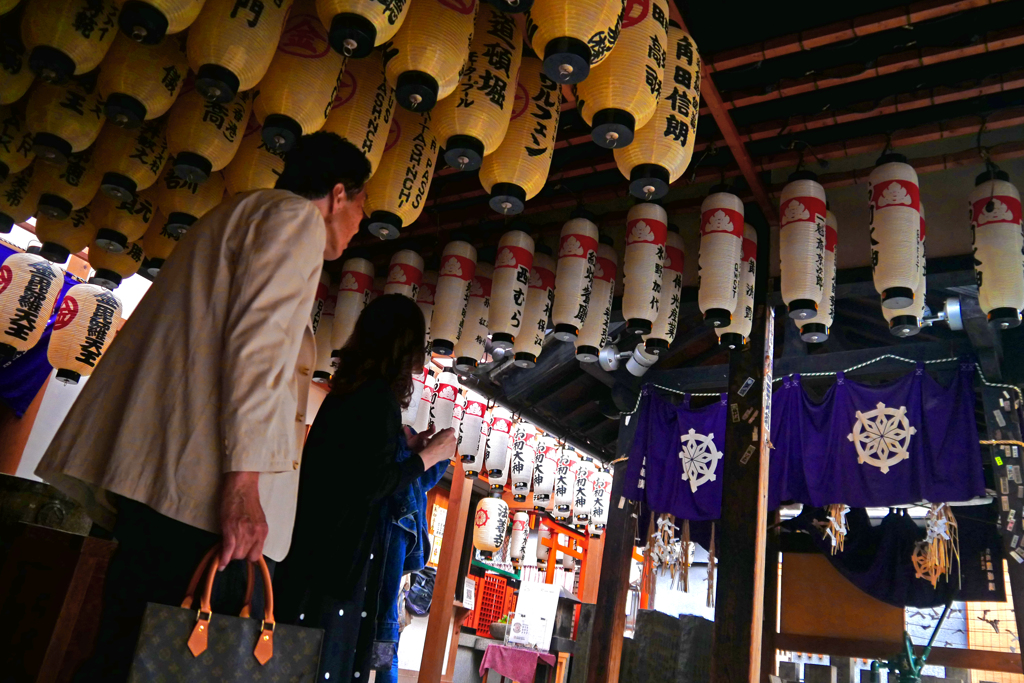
(387, 343)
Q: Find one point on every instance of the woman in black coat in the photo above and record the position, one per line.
(348, 469)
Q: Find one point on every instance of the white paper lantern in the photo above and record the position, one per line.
(29, 287)
(594, 530)
(489, 525)
(667, 325)
(353, 292)
(543, 551)
(568, 561)
(894, 203)
(422, 423)
(595, 330)
(86, 323)
(523, 459)
(802, 244)
(425, 300)
(405, 273)
(583, 496)
(544, 471)
(602, 500)
(995, 212)
(721, 245)
(574, 279)
(906, 322)
(458, 265)
(565, 479)
(642, 267)
(470, 432)
(409, 414)
(470, 348)
(540, 299)
(324, 336)
(520, 536)
(458, 414)
(511, 282)
(736, 333)
(443, 407)
(497, 460)
(480, 463)
(817, 328)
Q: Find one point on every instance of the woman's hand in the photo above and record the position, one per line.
(417, 442)
(438, 448)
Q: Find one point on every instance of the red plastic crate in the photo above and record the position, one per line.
(492, 602)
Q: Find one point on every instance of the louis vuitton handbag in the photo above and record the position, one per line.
(179, 644)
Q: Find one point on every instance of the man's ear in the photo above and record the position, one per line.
(338, 196)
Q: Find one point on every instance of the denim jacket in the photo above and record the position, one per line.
(406, 542)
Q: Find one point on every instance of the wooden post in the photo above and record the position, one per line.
(999, 408)
(740, 539)
(442, 605)
(771, 600)
(605, 657)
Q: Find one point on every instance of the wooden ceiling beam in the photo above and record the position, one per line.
(839, 31)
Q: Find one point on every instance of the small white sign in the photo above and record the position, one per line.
(469, 594)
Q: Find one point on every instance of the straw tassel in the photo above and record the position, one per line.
(711, 568)
(687, 548)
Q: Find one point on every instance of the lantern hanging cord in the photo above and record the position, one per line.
(1001, 442)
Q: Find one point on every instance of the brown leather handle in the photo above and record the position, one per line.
(198, 574)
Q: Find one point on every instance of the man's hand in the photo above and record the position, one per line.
(242, 523)
(417, 442)
(440, 447)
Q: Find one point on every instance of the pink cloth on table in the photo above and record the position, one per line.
(512, 662)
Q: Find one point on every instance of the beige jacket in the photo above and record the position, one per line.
(210, 374)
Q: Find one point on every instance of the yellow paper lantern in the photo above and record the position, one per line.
(204, 136)
(802, 244)
(87, 320)
(906, 322)
(323, 333)
(518, 169)
(621, 95)
(357, 26)
(662, 149)
(405, 273)
(540, 299)
(646, 230)
(894, 204)
(511, 282)
(363, 107)
(18, 199)
(29, 287)
(397, 191)
(573, 37)
(61, 238)
(736, 334)
(15, 74)
(353, 293)
(254, 166)
(64, 118)
(490, 522)
(113, 267)
(458, 265)
(425, 58)
(148, 22)
(595, 330)
(718, 265)
(183, 203)
(663, 332)
(121, 222)
(574, 279)
(130, 160)
(470, 348)
(816, 329)
(425, 300)
(7, 5)
(158, 243)
(472, 122)
(995, 212)
(231, 44)
(67, 38)
(299, 88)
(15, 141)
(61, 190)
(139, 81)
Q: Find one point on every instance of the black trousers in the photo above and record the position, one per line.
(154, 560)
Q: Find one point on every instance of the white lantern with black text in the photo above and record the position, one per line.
(523, 459)
(511, 282)
(894, 203)
(543, 551)
(565, 481)
(520, 536)
(816, 329)
(595, 330)
(802, 244)
(489, 525)
(470, 432)
(602, 500)
(405, 273)
(574, 279)
(583, 494)
(995, 212)
(445, 395)
(721, 245)
(665, 327)
(544, 471)
(86, 323)
(458, 265)
(540, 298)
(425, 300)
(458, 414)
(409, 414)
(497, 460)
(642, 267)
(353, 292)
(470, 348)
(906, 322)
(29, 287)
(735, 334)
(323, 333)
(422, 423)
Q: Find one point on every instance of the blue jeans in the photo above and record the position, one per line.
(391, 675)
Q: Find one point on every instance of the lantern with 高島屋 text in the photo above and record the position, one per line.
(203, 136)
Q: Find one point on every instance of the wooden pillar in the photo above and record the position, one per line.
(740, 537)
(771, 599)
(605, 656)
(1003, 424)
(442, 606)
